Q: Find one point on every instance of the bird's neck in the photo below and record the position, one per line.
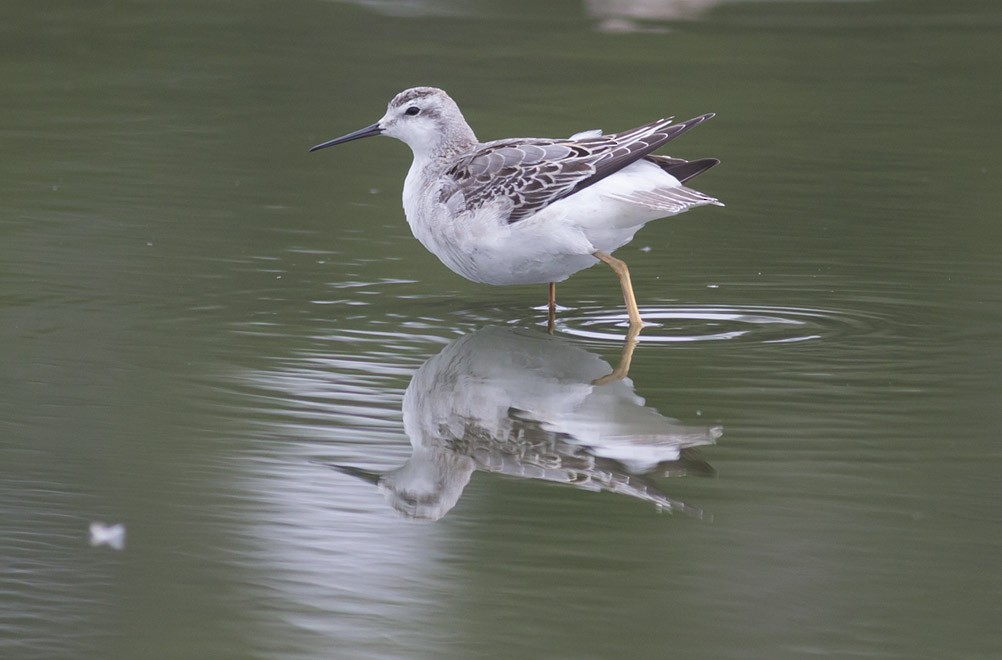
(447, 147)
(431, 161)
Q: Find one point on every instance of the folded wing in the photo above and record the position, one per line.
(526, 175)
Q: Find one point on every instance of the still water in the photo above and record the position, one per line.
(323, 444)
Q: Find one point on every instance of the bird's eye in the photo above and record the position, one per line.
(413, 110)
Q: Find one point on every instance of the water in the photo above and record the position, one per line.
(199, 319)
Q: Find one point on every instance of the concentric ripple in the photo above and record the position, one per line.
(767, 325)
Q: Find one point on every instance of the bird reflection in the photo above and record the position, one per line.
(532, 406)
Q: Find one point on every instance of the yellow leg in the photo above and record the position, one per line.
(553, 308)
(623, 273)
(622, 369)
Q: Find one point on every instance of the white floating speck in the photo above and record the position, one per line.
(646, 248)
(112, 536)
(712, 286)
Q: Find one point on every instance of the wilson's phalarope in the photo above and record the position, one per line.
(532, 210)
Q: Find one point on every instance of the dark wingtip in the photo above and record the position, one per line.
(659, 135)
(672, 131)
(685, 170)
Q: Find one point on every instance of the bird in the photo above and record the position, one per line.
(531, 406)
(533, 210)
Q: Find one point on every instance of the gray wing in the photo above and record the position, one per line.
(528, 174)
(525, 175)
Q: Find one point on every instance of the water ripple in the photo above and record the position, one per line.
(745, 323)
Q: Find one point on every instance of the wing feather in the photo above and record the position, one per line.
(669, 199)
(528, 174)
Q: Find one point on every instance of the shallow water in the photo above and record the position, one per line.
(236, 348)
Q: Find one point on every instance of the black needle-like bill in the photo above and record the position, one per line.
(368, 131)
